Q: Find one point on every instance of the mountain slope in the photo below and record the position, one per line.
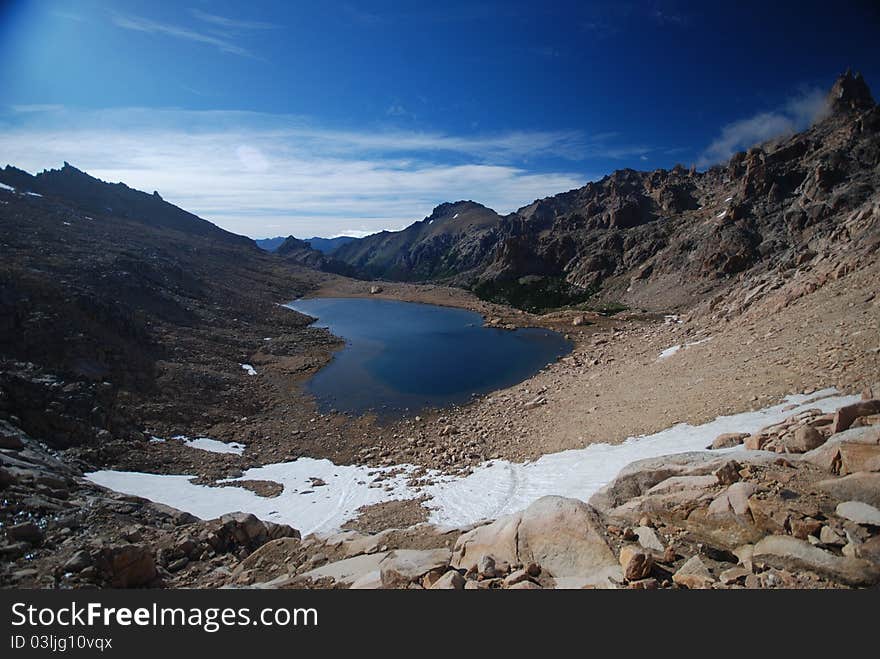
(654, 239)
(108, 320)
(95, 196)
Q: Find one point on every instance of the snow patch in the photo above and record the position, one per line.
(214, 446)
(728, 199)
(455, 216)
(496, 488)
(721, 214)
(33, 194)
(250, 370)
(666, 354)
(3, 186)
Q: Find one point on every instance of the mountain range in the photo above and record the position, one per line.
(323, 245)
(653, 239)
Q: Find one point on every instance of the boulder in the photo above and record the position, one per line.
(728, 440)
(452, 580)
(828, 536)
(728, 473)
(347, 571)
(848, 452)
(274, 549)
(369, 581)
(26, 531)
(401, 567)
(784, 551)
(525, 585)
(845, 416)
(78, 562)
(860, 486)
(859, 512)
(693, 574)
(639, 477)
(648, 538)
(515, 577)
(684, 484)
(127, 566)
(636, 564)
(564, 536)
(11, 437)
(805, 438)
(735, 499)
(486, 567)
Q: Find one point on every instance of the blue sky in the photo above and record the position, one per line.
(321, 118)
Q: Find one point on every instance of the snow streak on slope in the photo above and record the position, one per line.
(494, 489)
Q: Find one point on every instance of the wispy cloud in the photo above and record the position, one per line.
(140, 24)
(36, 107)
(795, 114)
(263, 174)
(232, 23)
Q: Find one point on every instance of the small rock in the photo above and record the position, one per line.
(693, 574)
(828, 536)
(734, 575)
(78, 562)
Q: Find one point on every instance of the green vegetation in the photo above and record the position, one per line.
(604, 308)
(533, 294)
(544, 294)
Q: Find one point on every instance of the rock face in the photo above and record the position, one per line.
(127, 566)
(564, 536)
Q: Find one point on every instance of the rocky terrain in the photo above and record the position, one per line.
(128, 325)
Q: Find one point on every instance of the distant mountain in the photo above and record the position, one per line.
(454, 240)
(325, 245)
(269, 244)
(302, 253)
(95, 196)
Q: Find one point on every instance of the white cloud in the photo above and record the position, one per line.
(797, 113)
(258, 174)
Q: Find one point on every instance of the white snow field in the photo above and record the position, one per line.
(215, 446)
(496, 488)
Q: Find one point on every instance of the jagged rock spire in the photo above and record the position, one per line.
(850, 92)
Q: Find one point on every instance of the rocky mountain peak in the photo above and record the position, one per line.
(850, 92)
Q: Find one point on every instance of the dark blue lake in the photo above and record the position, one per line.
(404, 356)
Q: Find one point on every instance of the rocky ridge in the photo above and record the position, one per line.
(658, 240)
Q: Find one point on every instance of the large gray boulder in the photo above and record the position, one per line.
(564, 536)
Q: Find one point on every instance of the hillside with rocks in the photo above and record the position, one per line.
(655, 240)
(130, 330)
